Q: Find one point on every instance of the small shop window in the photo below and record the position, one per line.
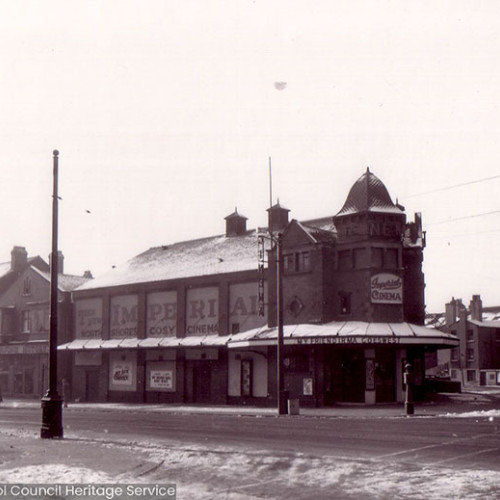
(297, 363)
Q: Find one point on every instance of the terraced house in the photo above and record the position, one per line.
(24, 322)
(196, 321)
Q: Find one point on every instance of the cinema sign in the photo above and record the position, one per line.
(386, 288)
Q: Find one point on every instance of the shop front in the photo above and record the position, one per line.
(343, 362)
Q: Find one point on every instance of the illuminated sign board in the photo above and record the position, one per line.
(386, 288)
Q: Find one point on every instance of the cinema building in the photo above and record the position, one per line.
(195, 322)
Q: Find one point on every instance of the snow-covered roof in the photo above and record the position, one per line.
(485, 323)
(5, 268)
(65, 282)
(201, 257)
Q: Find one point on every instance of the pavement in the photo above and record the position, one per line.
(24, 457)
(482, 399)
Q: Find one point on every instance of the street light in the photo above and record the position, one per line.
(278, 246)
(282, 396)
(52, 402)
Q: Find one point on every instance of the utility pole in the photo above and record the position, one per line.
(52, 402)
(282, 397)
(277, 240)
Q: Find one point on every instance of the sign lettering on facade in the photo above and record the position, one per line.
(202, 311)
(121, 373)
(244, 307)
(348, 340)
(386, 288)
(88, 313)
(161, 318)
(124, 316)
(161, 379)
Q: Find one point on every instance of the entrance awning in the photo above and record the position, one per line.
(346, 332)
(150, 342)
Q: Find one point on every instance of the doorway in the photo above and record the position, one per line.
(91, 385)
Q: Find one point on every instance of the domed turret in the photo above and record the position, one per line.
(369, 194)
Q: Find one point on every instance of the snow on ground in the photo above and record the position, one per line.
(244, 474)
(489, 414)
(53, 473)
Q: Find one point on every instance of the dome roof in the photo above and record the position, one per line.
(369, 194)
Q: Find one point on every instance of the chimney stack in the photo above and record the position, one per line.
(19, 259)
(60, 262)
(476, 308)
(451, 312)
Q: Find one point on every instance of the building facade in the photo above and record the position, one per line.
(196, 321)
(476, 360)
(24, 323)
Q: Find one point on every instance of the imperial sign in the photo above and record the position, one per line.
(386, 289)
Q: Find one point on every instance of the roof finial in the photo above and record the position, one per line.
(367, 170)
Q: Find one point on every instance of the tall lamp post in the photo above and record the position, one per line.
(278, 247)
(282, 396)
(52, 402)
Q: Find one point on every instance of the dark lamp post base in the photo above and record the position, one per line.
(409, 408)
(51, 418)
(283, 403)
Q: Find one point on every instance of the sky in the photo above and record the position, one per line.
(165, 115)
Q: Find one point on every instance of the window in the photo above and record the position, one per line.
(470, 354)
(297, 262)
(288, 262)
(391, 258)
(26, 321)
(377, 257)
(359, 255)
(344, 260)
(471, 375)
(454, 354)
(470, 335)
(345, 303)
(303, 261)
(27, 286)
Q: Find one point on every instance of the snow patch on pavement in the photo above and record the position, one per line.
(490, 414)
(53, 473)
